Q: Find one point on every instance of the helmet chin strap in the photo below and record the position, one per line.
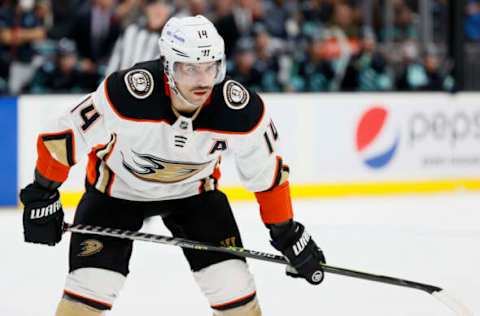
(173, 86)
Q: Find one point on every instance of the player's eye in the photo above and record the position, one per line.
(190, 69)
(212, 68)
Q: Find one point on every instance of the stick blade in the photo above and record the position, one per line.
(455, 305)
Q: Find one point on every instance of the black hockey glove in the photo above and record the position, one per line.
(42, 215)
(297, 245)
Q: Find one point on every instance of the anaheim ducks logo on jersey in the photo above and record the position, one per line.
(156, 169)
(90, 247)
(139, 83)
(235, 95)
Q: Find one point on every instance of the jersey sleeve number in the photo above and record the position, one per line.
(270, 136)
(89, 116)
(87, 113)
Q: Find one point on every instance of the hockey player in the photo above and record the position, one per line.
(154, 135)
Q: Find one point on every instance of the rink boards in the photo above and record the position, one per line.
(335, 144)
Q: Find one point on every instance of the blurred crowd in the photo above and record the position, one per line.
(68, 46)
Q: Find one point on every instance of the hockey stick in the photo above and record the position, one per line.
(435, 291)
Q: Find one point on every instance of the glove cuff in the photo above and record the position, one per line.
(285, 235)
(35, 192)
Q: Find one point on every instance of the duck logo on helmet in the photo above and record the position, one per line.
(139, 83)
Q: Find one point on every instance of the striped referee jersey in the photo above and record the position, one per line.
(137, 44)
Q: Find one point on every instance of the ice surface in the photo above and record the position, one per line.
(430, 239)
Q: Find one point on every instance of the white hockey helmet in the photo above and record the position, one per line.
(191, 40)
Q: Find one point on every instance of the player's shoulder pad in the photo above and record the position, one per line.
(138, 91)
(237, 109)
(235, 95)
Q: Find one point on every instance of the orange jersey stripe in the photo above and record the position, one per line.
(48, 166)
(217, 174)
(276, 204)
(92, 164)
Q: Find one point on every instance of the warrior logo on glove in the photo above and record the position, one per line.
(45, 211)
(301, 244)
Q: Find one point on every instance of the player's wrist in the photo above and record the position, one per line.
(284, 235)
(35, 192)
(278, 229)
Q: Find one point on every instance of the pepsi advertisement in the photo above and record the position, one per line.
(333, 143)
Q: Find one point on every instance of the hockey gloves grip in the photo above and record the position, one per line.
(42, 215)
(293, 241)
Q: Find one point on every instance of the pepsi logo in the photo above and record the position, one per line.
(376, 138)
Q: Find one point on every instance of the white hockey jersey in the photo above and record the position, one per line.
(138, 149)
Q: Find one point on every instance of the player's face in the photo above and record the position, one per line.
(195, 81)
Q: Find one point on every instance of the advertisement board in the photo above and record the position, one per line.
(335, 144)
(8, 156)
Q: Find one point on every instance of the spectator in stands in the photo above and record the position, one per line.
(411, 75)
(404, 28)
(20, 28)
(63, 16)
(303, 45)
(315, 72)
(472, 20)
(341, 41)
(268, 51)
(279, 13)
(423, 74)
(344, 19)
(129, 11)
(238, 22)
(222, 8)
(438, 78)
(367, 70)
(194, 7)
(319, 11)
(243, 68)
(139, 42)
(95, 31)
(63, 74)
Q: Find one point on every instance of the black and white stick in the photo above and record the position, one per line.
(435, 291)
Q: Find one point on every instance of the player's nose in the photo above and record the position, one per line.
(204, 79)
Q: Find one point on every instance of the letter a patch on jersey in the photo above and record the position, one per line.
(219, 145)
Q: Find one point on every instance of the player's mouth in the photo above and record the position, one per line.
(200, 92)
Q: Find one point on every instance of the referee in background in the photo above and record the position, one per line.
(139, 42)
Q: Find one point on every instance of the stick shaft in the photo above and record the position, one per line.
(241, 252)
(445, 298)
